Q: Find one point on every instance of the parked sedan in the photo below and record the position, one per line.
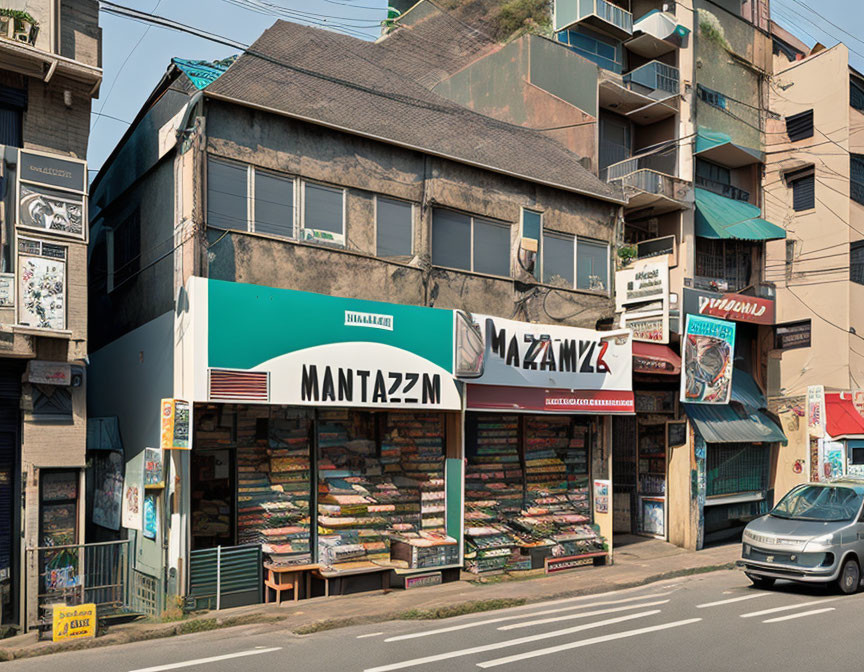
(814, 535)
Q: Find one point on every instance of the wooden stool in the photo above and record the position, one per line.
(280, 578)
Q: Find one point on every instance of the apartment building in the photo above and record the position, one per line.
(50, 70)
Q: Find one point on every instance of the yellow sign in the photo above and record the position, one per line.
(74, 622)
(175, 420)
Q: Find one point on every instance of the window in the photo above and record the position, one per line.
(575, 262)
(712, 97)
(800, 126)
(227, 195)
(713, 172)
(803, 185)
(13, 102)
(856, 262)
(126, 249)
(856, 186)
(532, 226)
(470, 243)
(856, 94)
(603, 51)
(274, 204)
(394, 227)
(728, 261)
(323, 214)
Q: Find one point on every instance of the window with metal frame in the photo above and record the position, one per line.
(470, 243)
(273, 204)
(604, 51)
(532, 228)
(727, 260)
(394, 227)
(856, 262)
(227, 195)
(323, 213)
(736, 467)
(856, 182)
(712, 97)
(13, 102)
(856, 94)
(800, 126)
(803, 185)
(574, 262)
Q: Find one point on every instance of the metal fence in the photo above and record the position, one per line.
(82, 573)
(224, 577)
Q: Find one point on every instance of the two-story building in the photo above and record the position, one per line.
(391, 315)
(50, 69)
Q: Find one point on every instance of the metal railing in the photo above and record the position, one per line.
(651, 182)
(722, 189)
(662, 161)
(570, 12)
(617, 16)
(82, 573)
(655, 76)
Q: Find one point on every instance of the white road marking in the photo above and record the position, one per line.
(202, 661)
(586, 614)
(371, 634)
(585, 642)
(502, 619)
(513, 642)
(787, 607)
(801, 615)
(733, 599)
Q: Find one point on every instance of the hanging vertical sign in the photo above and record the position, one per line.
(153, 468)
(175, 419)
(816, 411)
(708, 359)
(131, 507)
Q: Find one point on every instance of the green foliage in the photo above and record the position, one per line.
(533, 16)
(711, 29)
(459, 609)
(19, 15)
(626, 253)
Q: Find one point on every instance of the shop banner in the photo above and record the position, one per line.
(648, 282)
(592, 402)
(734, 307)
(77, 622)
(816, 411)
(319, 350)
(176, 421)
(520, 354)
(133, 494)
(708, 359)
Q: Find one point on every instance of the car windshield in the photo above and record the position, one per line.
(826, 503)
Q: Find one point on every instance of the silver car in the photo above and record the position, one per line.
(814, 535)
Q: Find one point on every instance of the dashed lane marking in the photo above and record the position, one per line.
(204, 661)
(587, 614)
(788, 607)
(731, 600)
(801, 615)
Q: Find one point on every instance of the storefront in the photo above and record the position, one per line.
(537, 484)
(841, 450)
(326, 430)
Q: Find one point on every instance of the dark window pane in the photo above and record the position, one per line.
(226, 195)
(451, 239)
(532, 223)
(856, 263)
(800, 126)
(491, 248)
(274, 204)
(558, 259)
(804, 193)
(393, 228)
(323, 209)
(592, 265)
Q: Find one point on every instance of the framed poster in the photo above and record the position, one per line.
(108, 497)
(41, 284)
(676, 433)
(132, 503)
(601, 496)
(707, 360)
(154, 476)
(52, 194)
(151, 519)
(654, 516)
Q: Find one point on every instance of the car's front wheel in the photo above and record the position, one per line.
(850, 577)
(761, 581)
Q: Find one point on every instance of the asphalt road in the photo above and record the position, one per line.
(710, 622)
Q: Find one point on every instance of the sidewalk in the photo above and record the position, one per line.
(637, 563)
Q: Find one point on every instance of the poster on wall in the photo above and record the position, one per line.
(176, 416)
(648, 327)
(834, 460)
(107, 500)
(132, 503)
(707, 362)
(654, 516)
(52, 194)
(151, 520)
(601, 496)
(42, 292)
(7, 290)
(154, 476)
(816, 411)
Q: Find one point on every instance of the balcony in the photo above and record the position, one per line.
(599, 14)
(723, 189)
(649, 182)
(657, 33)
(645, 96)
(655, 79)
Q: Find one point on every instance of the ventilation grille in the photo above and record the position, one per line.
(239, 385)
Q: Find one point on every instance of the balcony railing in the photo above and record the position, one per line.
(652, 182)
(598, 13)
(665, 162)
(654, 79)
(726, 190)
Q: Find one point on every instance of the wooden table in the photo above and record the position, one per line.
(280, 578)
(341, 575)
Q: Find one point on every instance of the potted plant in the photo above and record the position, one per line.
(19, 23)
(7, 23)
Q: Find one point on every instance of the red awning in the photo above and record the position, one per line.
(841, 417)
(538, 399)
(655, 358)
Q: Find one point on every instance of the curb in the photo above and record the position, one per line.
(205, 624)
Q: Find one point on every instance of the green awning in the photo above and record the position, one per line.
(718, 147)
(719, 217)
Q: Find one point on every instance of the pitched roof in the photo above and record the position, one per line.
(345, 83)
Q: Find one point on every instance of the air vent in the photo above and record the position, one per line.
(239, 385)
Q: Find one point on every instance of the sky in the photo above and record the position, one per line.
(135, 55)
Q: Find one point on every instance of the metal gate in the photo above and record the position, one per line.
(624, 439)
(225, 576)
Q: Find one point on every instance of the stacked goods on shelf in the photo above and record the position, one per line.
(419, 438)
(493, 493)
(273, 487)
(212, 516)
(652, 459)
(354, 494)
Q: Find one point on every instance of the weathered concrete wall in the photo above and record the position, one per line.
(80, 34)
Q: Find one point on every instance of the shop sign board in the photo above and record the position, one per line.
(49, 373)
(707, 362)
(77, 622)
(648, 327)
(154, 476)
(51, 194)
(521, 354)
(590, 402)
(792, 335)
(323, 350)
(648, 282)
(816, 411)
(734, 307)
(176, 421)
(556, 565)
(423, 580)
